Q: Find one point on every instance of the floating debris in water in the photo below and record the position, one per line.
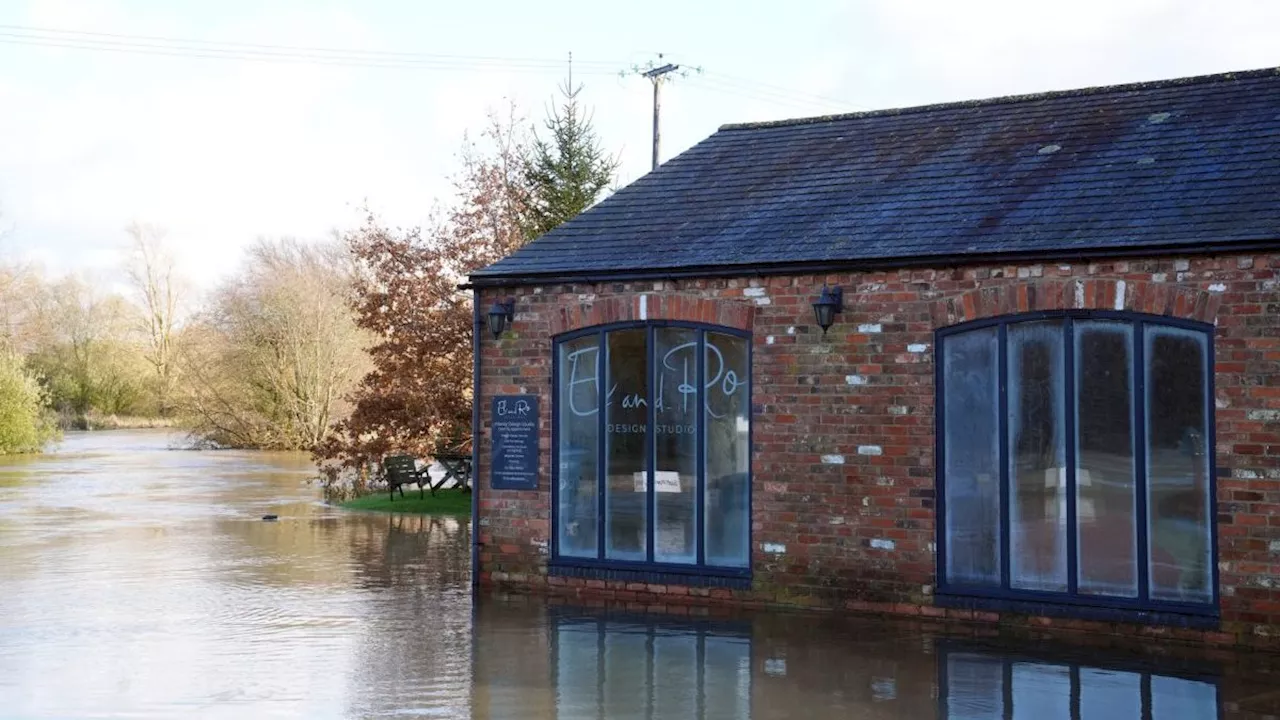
(270, 517)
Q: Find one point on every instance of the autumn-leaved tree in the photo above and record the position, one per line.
(566, 172)
(417, 398)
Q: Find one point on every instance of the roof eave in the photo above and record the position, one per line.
(868, 264)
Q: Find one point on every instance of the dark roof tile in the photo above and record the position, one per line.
(1154, 165)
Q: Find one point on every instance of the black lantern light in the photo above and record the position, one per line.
(830, 302)
(500, 315)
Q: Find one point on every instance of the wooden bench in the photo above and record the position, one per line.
(401, 470)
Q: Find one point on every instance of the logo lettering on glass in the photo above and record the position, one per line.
(584, 371)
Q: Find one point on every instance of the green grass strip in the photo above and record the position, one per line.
(447, 501)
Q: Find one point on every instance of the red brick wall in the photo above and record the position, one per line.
(843, 474)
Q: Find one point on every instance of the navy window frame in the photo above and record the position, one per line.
(647, 570)
(1071, 603)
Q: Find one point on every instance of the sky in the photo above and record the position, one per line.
(221, 144)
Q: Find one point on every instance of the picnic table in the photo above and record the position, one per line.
(401, 470)
(456, 466)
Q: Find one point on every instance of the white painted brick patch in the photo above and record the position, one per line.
(869, 450)
(833, 459)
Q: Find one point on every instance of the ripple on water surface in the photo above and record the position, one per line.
(140, 582)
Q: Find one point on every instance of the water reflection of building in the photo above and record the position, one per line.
(583, 665)
(529, 661)
(982, 685)
(562, 663)
(619, 668)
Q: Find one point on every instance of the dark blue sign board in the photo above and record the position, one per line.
(515, 443)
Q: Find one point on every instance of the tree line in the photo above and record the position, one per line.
(352, 348)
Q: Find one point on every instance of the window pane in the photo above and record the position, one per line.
(726, 677)
(627, 413)
(728, 451)
(971, 473)
(675, 445)
(627, 685)
(1173, 698)
(579, 430)
(1178, 464)
(577, 648)
(975, 687)
(1037, 458)
(1041, 692)
(1109, 694)
(675, 690)
(1105, 515)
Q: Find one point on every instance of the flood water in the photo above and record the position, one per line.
(139, 581)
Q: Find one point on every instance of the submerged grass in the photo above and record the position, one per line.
(447, 501)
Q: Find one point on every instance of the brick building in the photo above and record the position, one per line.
(1048, 391)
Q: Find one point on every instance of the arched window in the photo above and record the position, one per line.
(652, 448)
(1075, 461)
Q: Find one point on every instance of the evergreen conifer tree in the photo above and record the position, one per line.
(566, 172)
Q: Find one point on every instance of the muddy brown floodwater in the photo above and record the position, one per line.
(139, 581)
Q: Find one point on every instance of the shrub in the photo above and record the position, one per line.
(25, 425)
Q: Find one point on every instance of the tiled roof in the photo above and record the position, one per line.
(1172, 165)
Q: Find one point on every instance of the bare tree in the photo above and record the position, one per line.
(268, 363)
(151, 270)
(81, 343)
(19, 289)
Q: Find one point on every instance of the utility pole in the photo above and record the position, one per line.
(655, 75)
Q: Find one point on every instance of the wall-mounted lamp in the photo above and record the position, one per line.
(830, 302)
(500, 315)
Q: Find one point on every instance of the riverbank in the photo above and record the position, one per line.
(446, 501)
(93, 421)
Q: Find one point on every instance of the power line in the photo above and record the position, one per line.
(174, 47)
(460, 65)
(750, 87)
(782, 91)
(164, 46)
(290, 48)
(800, 103)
